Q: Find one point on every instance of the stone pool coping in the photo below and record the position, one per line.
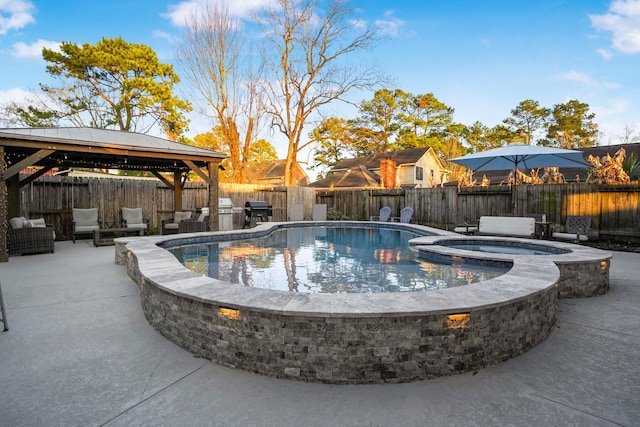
(584, 271)
(344, 338)
(163, 269)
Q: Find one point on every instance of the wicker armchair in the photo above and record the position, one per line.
(32, 240)
(171, 225)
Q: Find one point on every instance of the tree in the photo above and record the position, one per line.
(424, 121)
(259, 151)
(571, 126)
(114, 84)
(380, 117)
(528, 117)
(211, 58)
(333, 143)
(305, 50)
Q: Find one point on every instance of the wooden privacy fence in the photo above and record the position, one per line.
(615, 210)
(54, 197)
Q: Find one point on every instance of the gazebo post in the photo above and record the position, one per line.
(214, 224)
(177, 191)
(4, 218)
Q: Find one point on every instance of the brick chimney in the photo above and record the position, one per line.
(388, 173)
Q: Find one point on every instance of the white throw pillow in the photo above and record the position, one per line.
(16, 222)
(38, 223)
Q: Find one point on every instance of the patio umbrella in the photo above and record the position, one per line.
(521, 156)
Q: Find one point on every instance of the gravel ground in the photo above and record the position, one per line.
(615, 246)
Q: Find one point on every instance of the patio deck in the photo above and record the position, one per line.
(80, 352)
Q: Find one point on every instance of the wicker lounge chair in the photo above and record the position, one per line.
(172, 225)
(29, 237)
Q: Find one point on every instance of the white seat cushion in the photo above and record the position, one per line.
(86, 228)
(179, 216)
(569, 236)
(142, 225)
(172, 225)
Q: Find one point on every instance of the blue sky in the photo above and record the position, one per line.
(481, 58)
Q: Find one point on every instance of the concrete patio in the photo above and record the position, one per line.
(80, 352)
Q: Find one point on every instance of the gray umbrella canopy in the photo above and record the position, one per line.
(522, 156)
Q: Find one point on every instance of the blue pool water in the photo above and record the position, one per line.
(503, 247)
(329, 260)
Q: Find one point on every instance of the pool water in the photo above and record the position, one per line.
(329, 260)
(503, 247)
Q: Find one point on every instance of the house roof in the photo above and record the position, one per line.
(271, 171)
(354, 177)
(372, 162)
(102, 148)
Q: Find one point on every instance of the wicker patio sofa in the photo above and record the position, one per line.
(29, 239)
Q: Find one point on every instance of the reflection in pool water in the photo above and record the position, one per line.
(329, 260)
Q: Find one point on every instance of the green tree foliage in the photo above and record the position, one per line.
(391, 120)
(113, 84)
(380, 117)
(333, 143)
(571, 126)
(399, 120)
(527, 118)
(424, 122)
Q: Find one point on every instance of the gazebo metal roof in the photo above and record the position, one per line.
(102, 148)
(82, 147)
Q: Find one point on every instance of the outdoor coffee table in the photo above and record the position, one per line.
(105, 236)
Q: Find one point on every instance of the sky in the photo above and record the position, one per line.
(482, 58)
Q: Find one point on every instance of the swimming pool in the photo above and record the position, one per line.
(330, 260)
(355, 338)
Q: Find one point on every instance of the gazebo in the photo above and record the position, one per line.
(82, 147)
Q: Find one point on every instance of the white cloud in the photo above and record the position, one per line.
(15, 14)
(389, 25)
(577, 77)
(34, 50)
(179, 14)
(614, 108)
(605, 54)
(623, 21)
(14, 95)
(166, 36)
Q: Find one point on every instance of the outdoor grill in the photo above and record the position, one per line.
(256, 209)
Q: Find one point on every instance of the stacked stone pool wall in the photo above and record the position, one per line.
(344, 338)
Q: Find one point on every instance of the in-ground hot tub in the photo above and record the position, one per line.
(584, 271)
(346, 338)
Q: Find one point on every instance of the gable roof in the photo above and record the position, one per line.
(354, 177)
(372, 161)
(273, 170)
